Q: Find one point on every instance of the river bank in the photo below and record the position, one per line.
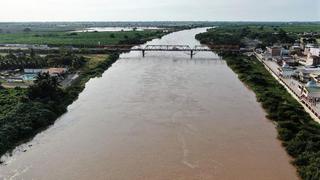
(28, 117)
(297, 130)
(164, 116)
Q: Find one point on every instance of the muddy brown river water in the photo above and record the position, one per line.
(162, 117)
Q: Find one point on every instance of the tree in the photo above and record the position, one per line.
(26, 30)
(32, 53)
(46, 88)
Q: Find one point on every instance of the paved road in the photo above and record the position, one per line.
(292, 86)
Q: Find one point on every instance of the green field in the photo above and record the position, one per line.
(82, 39)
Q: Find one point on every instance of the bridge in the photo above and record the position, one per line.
(126, 48)
(171, 48)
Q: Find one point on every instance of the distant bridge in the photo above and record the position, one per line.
(172, 48)
(121, 48)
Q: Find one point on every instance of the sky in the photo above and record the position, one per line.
(160, 10)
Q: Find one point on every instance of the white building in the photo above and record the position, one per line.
(311, 92)
(315, 51)
(33, 71)
(286, 71)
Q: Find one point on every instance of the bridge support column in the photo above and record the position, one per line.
(143, 53)
(191, 54)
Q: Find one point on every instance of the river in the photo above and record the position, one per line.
(161, 117)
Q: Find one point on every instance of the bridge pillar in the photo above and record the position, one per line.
(143, 53)
(191, 54)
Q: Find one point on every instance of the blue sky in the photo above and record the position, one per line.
(155, 10)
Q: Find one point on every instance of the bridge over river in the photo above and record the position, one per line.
(191, 50)
(172, 48)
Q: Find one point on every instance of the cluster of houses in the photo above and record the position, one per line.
(300, 62)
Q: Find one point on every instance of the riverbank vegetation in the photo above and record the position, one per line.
(236, 35)
(267, 34)
(24, 112)
(27, 111)
(64, 58)
(300, 135)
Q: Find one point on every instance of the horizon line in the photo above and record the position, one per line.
(194, 21)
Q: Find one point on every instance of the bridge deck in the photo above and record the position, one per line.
(169, 48)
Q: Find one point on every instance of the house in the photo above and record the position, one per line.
(286, 71)
(290, 61)
(304, 73)
(285, 52)
(33, 71)
(14, 80)
(315, 77)
(307, 49)
(259, 51)
(311, 92)
(295, 49)
(56, 71)
(274, 51)
(314, 51)
(312, 60)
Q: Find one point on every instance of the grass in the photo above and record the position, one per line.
(94, 60)
(81, 39)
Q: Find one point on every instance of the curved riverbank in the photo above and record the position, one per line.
(28, 117)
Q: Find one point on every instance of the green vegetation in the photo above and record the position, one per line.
(81, 39)
(24, 112)
(10, 98)
(28, 111)
(232, 35)
(272, 27)
(299, 133)
(20, 61)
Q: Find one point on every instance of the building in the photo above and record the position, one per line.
(274, 51)
(304, 73)
(307, 49)
(285, 52)
(56, 71)
(311, 92)
(33, 71)
(286, 71)
(314, 51)
(312, 60)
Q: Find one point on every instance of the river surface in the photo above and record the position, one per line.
(161, 117)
